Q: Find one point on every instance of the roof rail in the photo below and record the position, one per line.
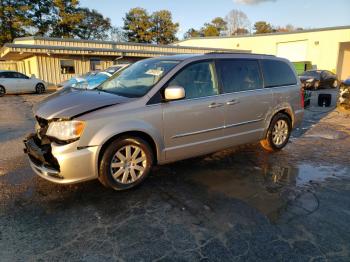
(225, 52)
(235, 53)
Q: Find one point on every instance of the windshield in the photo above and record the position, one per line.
(113, 69)
(139, 78)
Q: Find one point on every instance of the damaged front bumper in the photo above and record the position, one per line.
(62, 164)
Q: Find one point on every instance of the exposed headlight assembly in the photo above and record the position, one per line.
(66, 130)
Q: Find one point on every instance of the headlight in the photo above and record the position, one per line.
(66, 130)
(310, 80)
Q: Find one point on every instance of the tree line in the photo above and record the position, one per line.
(67, 19)
(234, 23)
(54, 18)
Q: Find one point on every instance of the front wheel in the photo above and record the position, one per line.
(2, 91)
(125, 163)
(278, 133)
(39, 88)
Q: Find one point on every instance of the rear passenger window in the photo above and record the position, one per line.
(8, 75)
(239, 75)
(277, 73)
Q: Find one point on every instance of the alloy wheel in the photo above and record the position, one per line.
(280, 132)
(40, 88)
(128, 164)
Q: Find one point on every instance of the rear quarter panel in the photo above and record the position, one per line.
(288, 98)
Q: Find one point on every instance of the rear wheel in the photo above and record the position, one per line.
(125, 163)
(278, 134)
(39, 88)
(2, 91)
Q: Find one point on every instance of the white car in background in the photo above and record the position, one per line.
(12, 82)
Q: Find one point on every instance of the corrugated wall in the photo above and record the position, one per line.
(49, 68)
(6, 65)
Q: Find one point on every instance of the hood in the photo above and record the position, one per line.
(69, 103)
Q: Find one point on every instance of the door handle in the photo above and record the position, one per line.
(232, 102)
(214, 105)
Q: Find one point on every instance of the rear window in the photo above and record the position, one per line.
(277, 73)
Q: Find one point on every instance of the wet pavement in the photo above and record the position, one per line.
(240, 204)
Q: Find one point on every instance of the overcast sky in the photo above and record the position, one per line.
(193, 13)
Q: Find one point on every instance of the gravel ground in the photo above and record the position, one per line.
(235, 205)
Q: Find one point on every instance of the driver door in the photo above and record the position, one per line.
(194, 125)
(24, 83)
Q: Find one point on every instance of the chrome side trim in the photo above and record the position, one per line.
(217, 128)
(244, 123)
(213, 139)
(198, 132)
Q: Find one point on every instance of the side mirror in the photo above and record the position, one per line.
(172, 93)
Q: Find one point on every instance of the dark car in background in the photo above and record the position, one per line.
(318, 79)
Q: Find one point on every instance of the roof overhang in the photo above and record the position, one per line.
(22, 51)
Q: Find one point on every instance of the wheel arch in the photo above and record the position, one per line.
(2, 86)
(286, 111)
(133, 134)
(40, 83)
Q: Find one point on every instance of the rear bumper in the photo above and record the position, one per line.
(298, 117)
(62, 164)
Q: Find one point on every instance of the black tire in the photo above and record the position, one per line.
(2, 91)
(268, 143)
(105, 170)
(40, 88)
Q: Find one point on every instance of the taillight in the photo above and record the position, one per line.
(302, 97)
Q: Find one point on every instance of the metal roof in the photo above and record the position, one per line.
(272, 34)
(114, 43)
(18, 50)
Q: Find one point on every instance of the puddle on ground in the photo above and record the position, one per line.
(269, 189)
(308, 173)
(328, 135)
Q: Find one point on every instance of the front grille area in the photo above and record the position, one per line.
(39, 153)
(43, 126)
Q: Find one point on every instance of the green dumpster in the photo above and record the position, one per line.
(302, 66)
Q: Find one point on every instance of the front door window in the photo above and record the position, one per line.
(198, 80)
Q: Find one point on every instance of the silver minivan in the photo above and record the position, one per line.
(161, 110)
